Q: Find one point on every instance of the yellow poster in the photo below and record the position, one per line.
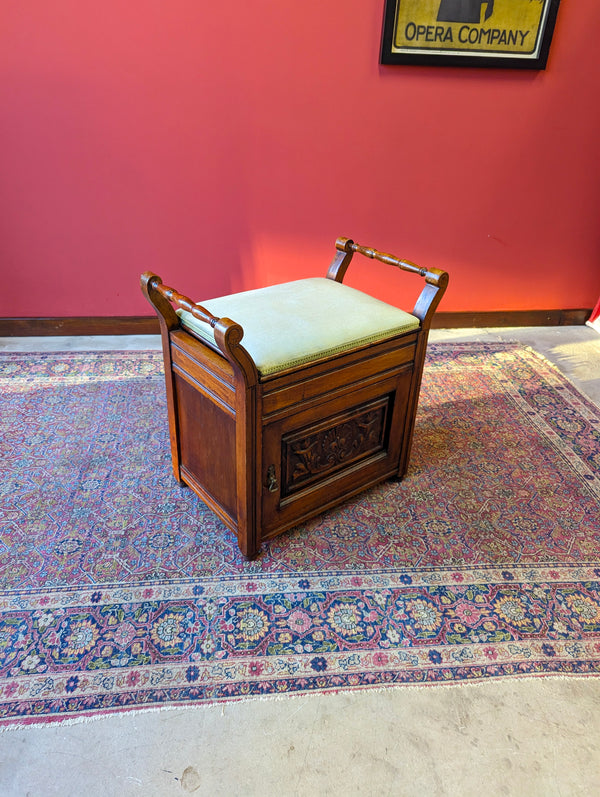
(482, 28)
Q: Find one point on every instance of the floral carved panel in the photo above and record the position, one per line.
(333, 444)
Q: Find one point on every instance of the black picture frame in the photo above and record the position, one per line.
(465, 33)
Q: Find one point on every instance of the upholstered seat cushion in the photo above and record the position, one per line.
(298, 322)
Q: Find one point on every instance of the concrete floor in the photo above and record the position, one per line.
(510, 737)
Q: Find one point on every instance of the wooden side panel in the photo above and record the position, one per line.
(207, 447)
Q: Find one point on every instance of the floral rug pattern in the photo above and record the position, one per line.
(119, 589)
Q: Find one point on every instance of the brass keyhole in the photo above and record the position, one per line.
(272, 485)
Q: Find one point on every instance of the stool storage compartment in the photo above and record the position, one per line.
(288, 400)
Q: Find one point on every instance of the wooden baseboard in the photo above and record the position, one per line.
(511, 318)
(148, 325)
(84, 325)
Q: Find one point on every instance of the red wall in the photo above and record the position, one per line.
(226, 146)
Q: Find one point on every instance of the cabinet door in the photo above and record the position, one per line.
(315, 458)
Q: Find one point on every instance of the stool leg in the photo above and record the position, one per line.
(248, 485)
(413, 403)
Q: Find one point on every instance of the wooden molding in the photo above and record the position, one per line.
(79, 325)
(511, 318)
(148, 325)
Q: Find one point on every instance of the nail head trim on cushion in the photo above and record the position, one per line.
(321, 318)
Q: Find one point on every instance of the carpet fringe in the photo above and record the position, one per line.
(542, 681)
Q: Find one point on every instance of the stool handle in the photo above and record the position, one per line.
(437, 280)
(152, 282)
(228, 334)
(433, 276)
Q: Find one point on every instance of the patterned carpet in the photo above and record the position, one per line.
(120, 590)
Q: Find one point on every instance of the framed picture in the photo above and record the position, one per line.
(496, 33)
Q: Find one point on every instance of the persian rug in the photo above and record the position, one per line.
(120, 590)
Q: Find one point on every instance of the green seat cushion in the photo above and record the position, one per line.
(299, 322)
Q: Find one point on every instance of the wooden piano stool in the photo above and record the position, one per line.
(285, 401)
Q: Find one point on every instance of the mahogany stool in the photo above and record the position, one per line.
(317, 405)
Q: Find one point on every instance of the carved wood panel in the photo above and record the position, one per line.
(315, 452)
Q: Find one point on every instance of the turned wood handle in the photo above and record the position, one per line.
(433, 276)
(199, 312)
(228, 334)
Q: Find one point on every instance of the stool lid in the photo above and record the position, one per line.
(302, 321)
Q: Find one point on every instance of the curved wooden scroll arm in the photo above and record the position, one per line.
(436, 280)
(228, 334)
